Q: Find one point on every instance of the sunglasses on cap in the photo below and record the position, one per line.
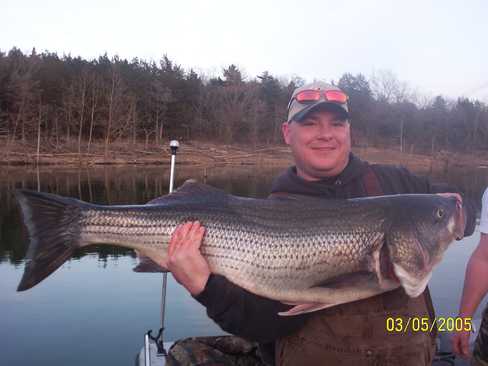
(313, 95)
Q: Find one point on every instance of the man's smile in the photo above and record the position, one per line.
(324, 148)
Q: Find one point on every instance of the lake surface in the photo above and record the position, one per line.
(95, 310)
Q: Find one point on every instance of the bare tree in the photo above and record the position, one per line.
(39, 121)
(94, 95)
(387, 87)
(68, 104)
(82, 90)
(115, 94)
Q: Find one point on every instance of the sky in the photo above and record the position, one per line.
(437, 47)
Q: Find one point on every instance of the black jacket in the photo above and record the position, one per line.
(242, 313)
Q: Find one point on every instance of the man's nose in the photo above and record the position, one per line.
(325, 131)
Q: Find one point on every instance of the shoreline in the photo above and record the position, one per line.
(201, 153)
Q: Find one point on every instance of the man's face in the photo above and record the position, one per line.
(320, 144)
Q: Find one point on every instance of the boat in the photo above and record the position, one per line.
(223, 350)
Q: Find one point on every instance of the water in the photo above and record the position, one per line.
(95, 310)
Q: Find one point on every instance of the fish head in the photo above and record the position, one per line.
(422, 228)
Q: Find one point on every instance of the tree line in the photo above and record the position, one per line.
(55, 102)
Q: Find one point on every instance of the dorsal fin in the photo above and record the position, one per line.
(191, 188)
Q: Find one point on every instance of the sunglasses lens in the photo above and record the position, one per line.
(308, 96)
(336, 96)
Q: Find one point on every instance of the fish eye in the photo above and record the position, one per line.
(439, 213)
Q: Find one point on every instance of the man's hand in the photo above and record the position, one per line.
(460, 344)
(185, 261)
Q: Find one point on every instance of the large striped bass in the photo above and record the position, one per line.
(313, 253)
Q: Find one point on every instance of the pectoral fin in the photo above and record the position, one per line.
(338, 290)
(304, 308)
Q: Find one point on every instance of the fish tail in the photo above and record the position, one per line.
(53, 232)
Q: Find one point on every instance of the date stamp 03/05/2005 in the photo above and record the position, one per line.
(425, 324)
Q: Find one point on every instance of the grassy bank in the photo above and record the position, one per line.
(190, 152)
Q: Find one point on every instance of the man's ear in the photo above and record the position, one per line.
(285, 130)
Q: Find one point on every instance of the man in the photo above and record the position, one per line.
(318, 132)
(475, 288)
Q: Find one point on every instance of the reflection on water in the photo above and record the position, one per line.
(96, 305)
(112, 185)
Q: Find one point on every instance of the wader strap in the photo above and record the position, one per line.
(371, 183)
(373, 188)
(430, 309)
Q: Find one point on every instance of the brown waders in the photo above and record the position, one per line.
(355, 334)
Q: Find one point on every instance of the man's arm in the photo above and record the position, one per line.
(234, 309)
(475, 288)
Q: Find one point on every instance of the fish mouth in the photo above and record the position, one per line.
(412, 285)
